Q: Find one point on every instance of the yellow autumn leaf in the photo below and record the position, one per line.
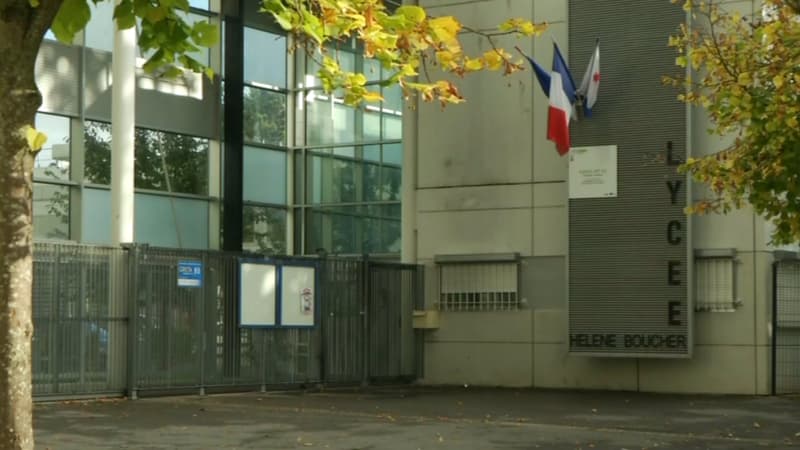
(445, 58)
(744, 79)
(527, 28)
(36, 138)
(414, 14)
(445, 28)
(778, 80)
(493, 60)
(473, 64)
(372, 96)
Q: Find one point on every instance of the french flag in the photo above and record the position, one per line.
(559, 87)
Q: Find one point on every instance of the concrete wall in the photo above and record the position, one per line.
(488, 181)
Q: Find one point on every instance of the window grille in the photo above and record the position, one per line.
(479, 287)
(715, 284)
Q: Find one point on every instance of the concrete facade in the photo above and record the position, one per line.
(488, 181)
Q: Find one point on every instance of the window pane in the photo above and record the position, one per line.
(171, 162)
(96, 216)
(264, 229)
(372, 124)
(332, 180)
(50, 211)
(264, 117)
(390, 183)
(264, 175)
(159, 220)
(97, 159)
(200, 4)
(372, 182)
(372, 153)
(329, 123)
(393, 98)
(264, 58)
(392, 127)
(393, 154)
(185, 159)
(382, 229)
(372, 69)
(347, 152)
(336, 230)
(171, 221)
(52, 161)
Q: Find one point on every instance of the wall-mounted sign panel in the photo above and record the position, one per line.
(629, 264)
(190, 274)
(298, 296)
(258, 294)
(593, 172)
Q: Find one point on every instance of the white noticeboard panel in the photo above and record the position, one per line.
(593, 172)
(257, 295)
(298, 294)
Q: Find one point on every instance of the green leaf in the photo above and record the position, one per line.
(71, 18)
(414, 14)
(205, 34)
(124, 15)
(34, 3)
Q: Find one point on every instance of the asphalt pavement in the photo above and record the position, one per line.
(423, 418)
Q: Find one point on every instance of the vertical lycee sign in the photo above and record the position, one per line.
(628, 256)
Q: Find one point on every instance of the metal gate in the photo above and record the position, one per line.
(114, 320)
(786, 326)
(80, 322)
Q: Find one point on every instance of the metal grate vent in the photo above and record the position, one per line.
(478, 287)
(715, 285)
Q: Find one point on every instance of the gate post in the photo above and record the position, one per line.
(132, 296)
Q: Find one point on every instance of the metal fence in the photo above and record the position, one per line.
(80, 322)
(786, 326)
(110, 321)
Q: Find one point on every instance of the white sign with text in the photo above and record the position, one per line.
(593, 172)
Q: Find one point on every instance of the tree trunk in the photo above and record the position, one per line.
(16, 264)
(21, 30)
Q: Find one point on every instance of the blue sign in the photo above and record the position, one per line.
(190, 273)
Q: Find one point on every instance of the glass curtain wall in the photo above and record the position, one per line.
(266, 144)
(319, 176)
(347, 164)
(72, 172)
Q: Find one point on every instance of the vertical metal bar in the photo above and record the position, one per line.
(365, 319)
(775, 299)
(200, 327)
(83, 279)
(55, 320)
(419, 301)
(327, 317)
(133, 318)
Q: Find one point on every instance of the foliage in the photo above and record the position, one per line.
(162, 29)
(747, 76)
(405, 42)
